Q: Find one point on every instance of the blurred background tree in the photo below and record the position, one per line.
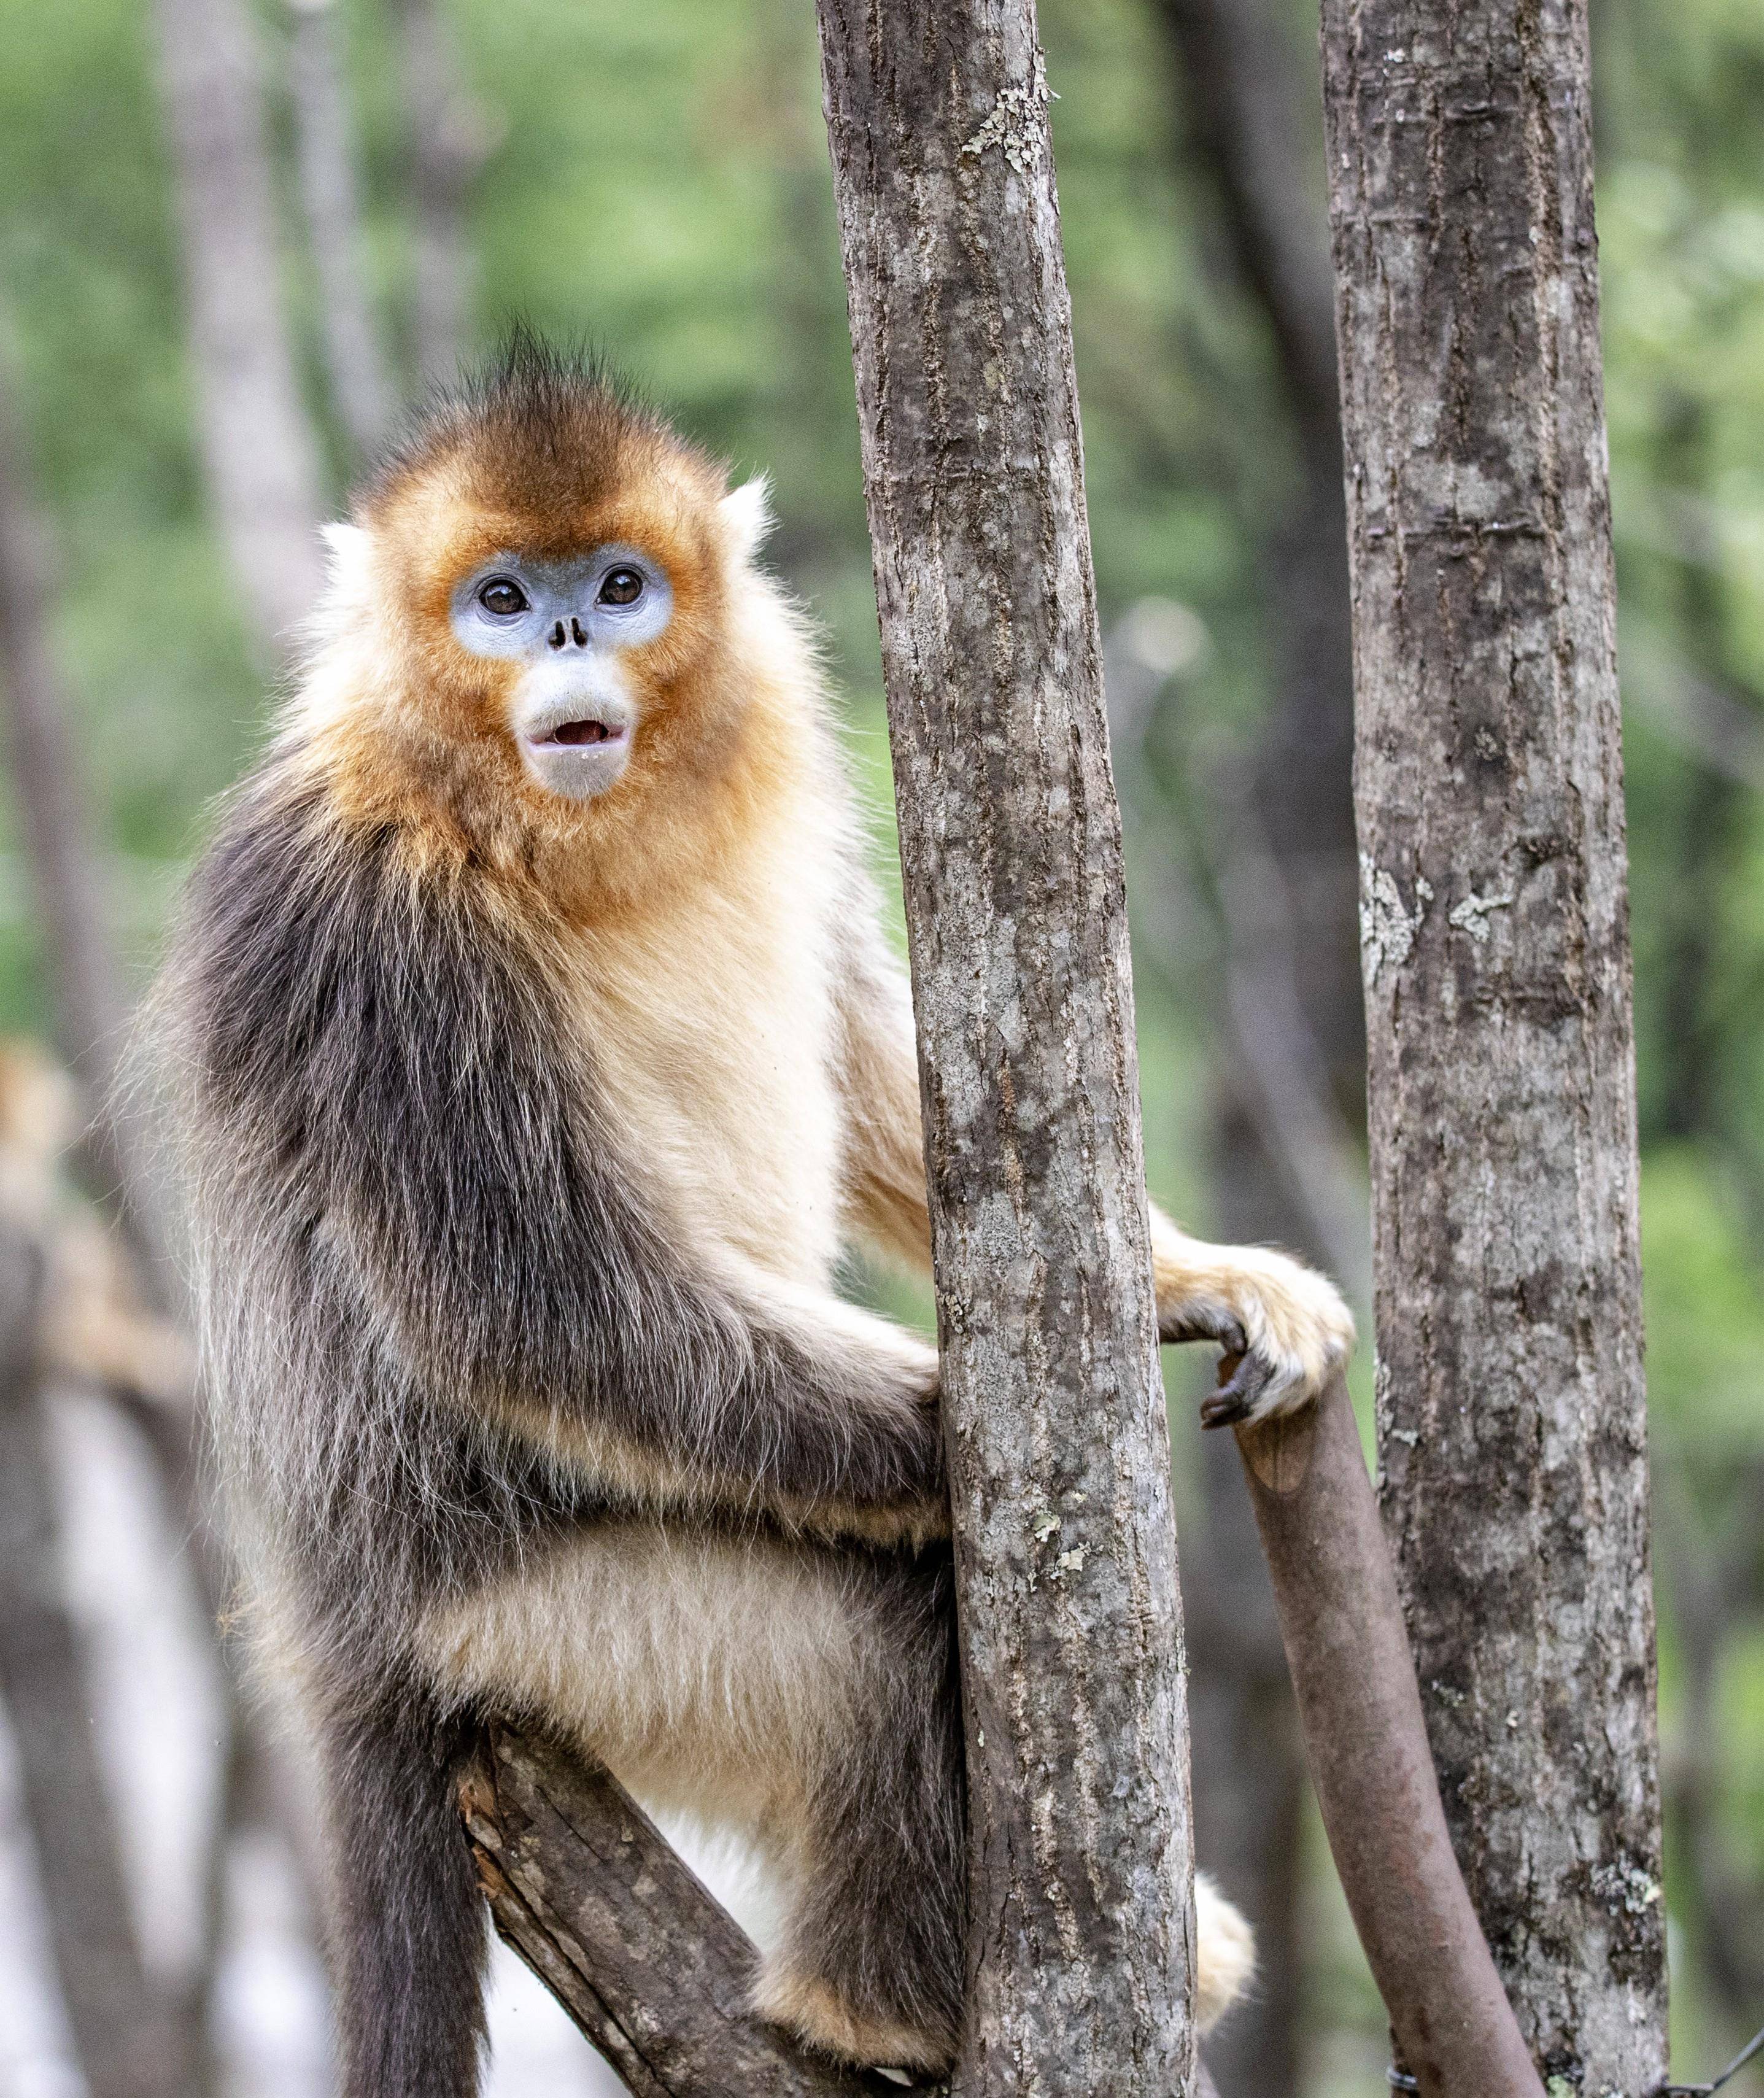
(282, 216)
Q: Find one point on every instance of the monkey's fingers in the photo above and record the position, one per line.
(1242, 1380)
(1207, 1323)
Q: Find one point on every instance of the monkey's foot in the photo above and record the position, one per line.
(821, 2018)
(1285, 1330)
(1225, 1958)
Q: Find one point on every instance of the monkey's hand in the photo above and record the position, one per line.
(1285, 1329)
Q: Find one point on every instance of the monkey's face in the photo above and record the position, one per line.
(551, 586)
(563, 628)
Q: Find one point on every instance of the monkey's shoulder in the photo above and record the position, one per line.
(331, 972)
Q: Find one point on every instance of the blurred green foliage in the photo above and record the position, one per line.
(656, 182)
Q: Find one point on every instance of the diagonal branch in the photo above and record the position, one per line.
(586, 1889)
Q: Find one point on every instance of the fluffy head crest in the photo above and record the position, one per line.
(541, 431)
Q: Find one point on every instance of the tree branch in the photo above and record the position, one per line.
(586, 1888)
(1367, 1743)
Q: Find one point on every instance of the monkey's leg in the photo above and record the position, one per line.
(870, 1965)
(871, 1969)
(406, 1937)
(803, 1693)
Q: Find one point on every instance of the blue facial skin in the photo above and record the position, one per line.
(566, 623)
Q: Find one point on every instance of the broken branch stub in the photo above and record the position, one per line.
(1367, 1743)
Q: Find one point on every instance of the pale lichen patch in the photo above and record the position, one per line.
(1014, 125)
(1472, 916)
(1627, 1887)
(1388, 927)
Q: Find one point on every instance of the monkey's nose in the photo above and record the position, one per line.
(560, 636)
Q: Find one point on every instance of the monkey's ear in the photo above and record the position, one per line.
(348, 588)
(747, 516)
(346, 545)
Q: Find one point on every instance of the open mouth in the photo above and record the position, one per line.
(571, 735)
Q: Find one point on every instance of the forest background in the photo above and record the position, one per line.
(654, 180)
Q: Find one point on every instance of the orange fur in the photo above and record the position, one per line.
(424, 738)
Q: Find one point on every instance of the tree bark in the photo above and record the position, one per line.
(1496, 960)
(258, 457)
(360, 383)
(1082, 1931)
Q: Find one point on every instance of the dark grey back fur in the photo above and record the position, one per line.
(406, 1206)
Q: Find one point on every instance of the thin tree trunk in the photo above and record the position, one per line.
(446, 152)
(1248, 1772)
(360, 383)
(1716, 1586)
(258, 455)
(91, 1024)
(121, 2034)
(89, 1012)
(1249, 114)
(1496, 957)
(1081, 1932)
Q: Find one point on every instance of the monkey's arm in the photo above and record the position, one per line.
(1287, 1324)
(386, 1057)
(878, 1075)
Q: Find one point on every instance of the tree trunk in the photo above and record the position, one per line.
(1082, 1931)
(445, 151)
(258, 456)
(91, 1024)
(89, 1012)
(122, 2035)
(1250, 117)
(361, 385)
(84, 983)
(1496, 959)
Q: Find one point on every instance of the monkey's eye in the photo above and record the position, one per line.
(622, 586)
(503, 598)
